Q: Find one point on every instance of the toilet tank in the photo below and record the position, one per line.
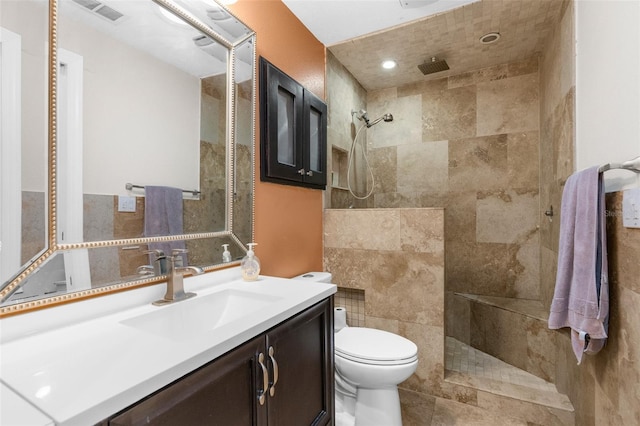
(319, 277)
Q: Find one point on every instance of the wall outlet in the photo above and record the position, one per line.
(126, 203)
(631, 208)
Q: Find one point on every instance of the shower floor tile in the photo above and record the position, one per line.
(465, 359)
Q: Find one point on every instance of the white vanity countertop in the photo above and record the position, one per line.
(79, 363)
(16, 411)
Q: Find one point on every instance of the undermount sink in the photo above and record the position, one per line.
(189, 318)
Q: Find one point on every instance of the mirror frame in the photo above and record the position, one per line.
(53, 246)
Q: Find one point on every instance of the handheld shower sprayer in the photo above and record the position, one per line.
(387, 118)
(362, 116)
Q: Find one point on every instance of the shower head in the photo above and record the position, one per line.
(360, 114)
(387, 118)
(436, 65)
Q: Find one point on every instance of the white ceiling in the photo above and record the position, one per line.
(368, 33)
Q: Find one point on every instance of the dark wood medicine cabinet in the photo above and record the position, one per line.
(293, 131)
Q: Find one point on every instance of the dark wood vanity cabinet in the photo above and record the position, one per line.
(297, 357)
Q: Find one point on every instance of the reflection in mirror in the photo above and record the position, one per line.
(143, 98)
(23, 143)
(243, 179)
(152, 91)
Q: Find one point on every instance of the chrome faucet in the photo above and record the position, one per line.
(175, 285)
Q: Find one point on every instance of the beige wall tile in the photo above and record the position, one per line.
(422, 231)
(478, 163)
(384, 162)
(457, 317)
(508, 105)
(629, 356)
(460, 214)
(423, 167)
(369, 229)
(527, 256)
(522, 160)
(405, 127)
(449, 114)
(506, 217)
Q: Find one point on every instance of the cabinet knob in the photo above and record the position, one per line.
(262, 394)
(272, 391)
(301, 172)
(310, 173)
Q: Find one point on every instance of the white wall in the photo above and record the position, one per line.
(141, 116)
(608, 86)
(29, 20)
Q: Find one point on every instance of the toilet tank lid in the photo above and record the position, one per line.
(319, 277)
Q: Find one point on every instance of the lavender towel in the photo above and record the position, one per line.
(163, 216)
(581, 298)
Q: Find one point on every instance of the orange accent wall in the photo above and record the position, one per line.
(288, 222)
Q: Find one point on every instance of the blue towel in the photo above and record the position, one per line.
(163, 216)
(581, 297)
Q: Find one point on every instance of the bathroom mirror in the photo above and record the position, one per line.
(147, 93)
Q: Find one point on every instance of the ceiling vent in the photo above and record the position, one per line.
(413, 4)
(100, 9)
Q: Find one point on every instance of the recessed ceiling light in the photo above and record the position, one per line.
(389, 64)
(489, 38)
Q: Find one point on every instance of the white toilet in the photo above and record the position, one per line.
(369, 366)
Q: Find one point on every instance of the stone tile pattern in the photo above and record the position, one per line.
(452, 35)
(344, 95)
(513, 330)
(397, 257)
(518, 339)
(468, 143)
(466, 359)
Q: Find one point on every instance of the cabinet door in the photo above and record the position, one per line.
(282, 152)
(223, 392)
(315, 137)
(302, 350)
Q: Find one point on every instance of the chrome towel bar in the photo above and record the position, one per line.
(631, 165)
(130, 186)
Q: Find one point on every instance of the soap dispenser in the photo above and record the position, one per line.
(250, 265)
(226, 255)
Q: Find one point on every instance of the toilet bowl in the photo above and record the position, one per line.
(369, 365)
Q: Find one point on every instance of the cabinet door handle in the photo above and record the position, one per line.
(272, 391)
(265, 380)
(310, 173)
(301, 172)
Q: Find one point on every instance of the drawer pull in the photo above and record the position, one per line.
(265, 380)
(272, 391)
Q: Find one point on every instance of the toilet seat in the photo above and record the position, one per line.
(376, 347)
